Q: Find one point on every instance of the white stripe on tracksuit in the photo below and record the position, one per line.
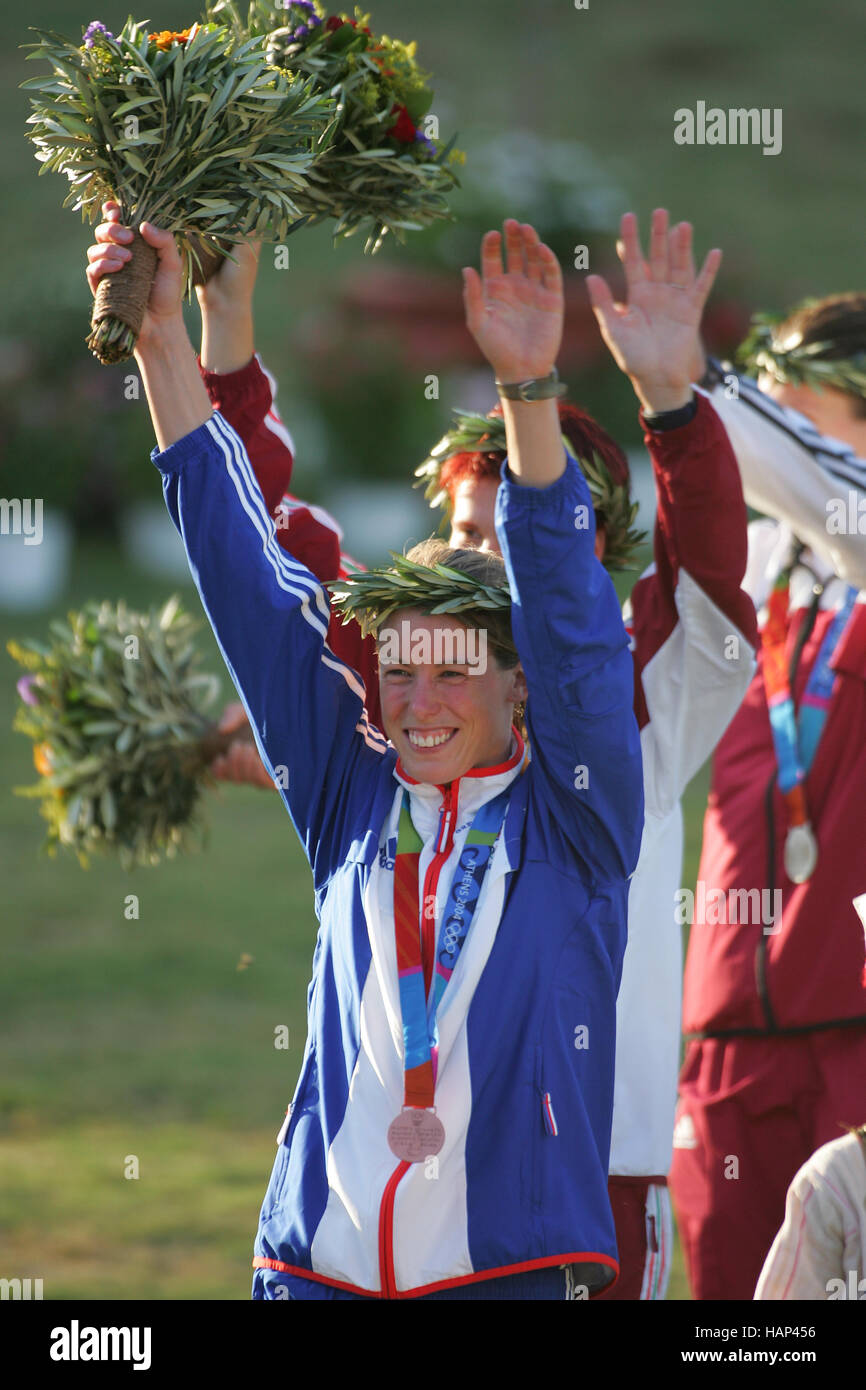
(293, 577)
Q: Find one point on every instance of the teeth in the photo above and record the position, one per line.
(428, 740)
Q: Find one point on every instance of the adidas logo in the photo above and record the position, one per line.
(684, 1133)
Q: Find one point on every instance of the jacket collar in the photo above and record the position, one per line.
(461, 798)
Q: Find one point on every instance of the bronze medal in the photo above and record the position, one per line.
(415, 1135)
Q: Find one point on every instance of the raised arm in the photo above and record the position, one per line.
(269, 613)
(789, 470)
(236, 382)
(693, 625)
(235, 378)
(565, 614)
(514, 312)
(652, 337)
(573, 646)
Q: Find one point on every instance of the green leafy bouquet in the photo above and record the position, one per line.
(191, 131)
(115, 704)
(380, 167)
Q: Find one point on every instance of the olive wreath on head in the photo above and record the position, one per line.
(795, 363)
(373, 595)
(473, 433)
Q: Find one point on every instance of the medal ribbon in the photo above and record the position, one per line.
(796, 746)
(420, 1035)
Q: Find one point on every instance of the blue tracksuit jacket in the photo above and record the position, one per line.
(526, 1052)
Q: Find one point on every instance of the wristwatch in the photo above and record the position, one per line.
(539, 388)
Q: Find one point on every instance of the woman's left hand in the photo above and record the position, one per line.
(515, 314)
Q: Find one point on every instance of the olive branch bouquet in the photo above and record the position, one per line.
(189, 130)
(115, 702)
(378, 169)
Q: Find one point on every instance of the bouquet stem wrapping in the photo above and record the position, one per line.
(120, 304)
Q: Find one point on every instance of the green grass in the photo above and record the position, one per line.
(183, 1228)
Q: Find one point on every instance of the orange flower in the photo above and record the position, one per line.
(42, 759)
(166, 37)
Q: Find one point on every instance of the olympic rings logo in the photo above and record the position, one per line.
(450, 939)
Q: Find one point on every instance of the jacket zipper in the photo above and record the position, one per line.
(444, 845)
(387, 1278)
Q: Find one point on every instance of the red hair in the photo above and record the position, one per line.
(585, 435)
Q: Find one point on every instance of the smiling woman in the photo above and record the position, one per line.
(446, 1138)
(446, 708)
(443, 722)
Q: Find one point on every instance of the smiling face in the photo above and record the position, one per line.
(444, 719)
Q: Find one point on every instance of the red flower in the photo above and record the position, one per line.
(404, 127)
(335, 24)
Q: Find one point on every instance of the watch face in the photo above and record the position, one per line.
(529, 392)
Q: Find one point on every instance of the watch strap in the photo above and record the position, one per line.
(539, 388)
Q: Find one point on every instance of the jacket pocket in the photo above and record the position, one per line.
(276, 1184)
(544, 1128)
(305, 1095)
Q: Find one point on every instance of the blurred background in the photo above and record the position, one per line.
(155, 1037)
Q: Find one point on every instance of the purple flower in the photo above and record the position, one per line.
(422, 139)
(311, 20)
(25, 690)
(95, 28)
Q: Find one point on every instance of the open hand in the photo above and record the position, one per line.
(515, 314)
(655, 337)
